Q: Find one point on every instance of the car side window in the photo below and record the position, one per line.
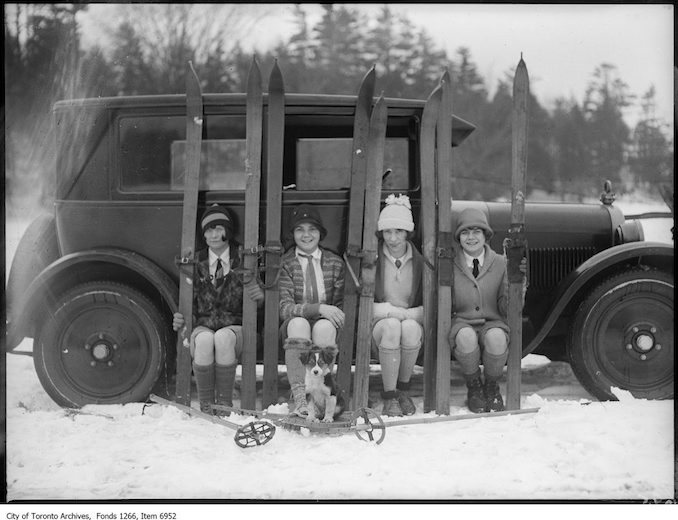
(332, 157)
(153, 154)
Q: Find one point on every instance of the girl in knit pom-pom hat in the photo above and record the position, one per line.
(311, 287)
(216, 341)
(398, 307)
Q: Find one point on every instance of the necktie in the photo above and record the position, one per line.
(219, 273)
(476, 268)
(310, 283)
(398, 263)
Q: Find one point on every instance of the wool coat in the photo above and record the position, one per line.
(483, 300)
(291, 285)
(218, 306)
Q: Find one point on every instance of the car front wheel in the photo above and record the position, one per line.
(622, 336)
(102, 343)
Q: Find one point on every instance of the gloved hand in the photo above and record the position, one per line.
(254, 292)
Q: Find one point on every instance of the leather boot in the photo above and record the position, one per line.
(493, 399)
(476, 395)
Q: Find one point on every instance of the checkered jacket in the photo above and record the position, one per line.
(220, 306)
(291, 285)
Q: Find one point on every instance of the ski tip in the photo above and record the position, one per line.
(445, 77)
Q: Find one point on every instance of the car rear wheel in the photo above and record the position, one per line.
(102, 343)
(622, 336)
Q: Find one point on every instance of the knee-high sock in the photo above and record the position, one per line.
(494, 364)
(296, 373)
(204, 380)
(389, 358)
(469, 361)
(408, 358)
(225, 380)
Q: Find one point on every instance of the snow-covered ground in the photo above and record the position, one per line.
(573, 448)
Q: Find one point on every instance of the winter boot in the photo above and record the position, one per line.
(391, 405)
(493, 399)
(476, 394)
(204, 381)
(225, 380)
(406, 404)
(296, 373)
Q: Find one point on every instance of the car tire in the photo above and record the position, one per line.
(623, 334)
(102, 343)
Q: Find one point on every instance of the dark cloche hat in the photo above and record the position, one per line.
(217, 215)
(306, 213)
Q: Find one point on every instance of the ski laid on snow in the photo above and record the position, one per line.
(251, 247)
(186, 260)
(365, 423)
(375, 169)
(516, 243)
(427, 145)
(275, 139)
(361, 127)
(445, 251)
(255, 433)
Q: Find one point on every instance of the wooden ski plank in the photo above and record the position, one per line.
(361, 126)
(517, 244)
(445, 260)
(252, 197)
(375, 168)
(274, 178)
(429, 226)
(194, 125)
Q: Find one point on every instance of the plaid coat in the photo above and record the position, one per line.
(291, 285)
(220, 306)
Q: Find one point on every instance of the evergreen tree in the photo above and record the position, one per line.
(607, 134)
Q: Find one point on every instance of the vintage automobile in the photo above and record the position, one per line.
(95, 283)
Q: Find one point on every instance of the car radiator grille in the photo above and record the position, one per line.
(548, 266)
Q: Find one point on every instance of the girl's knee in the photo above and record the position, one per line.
(411, 333)
(299, 328)
(204, 348)
(224, 346)
(324, 333)
(495, 341)
(466, 340)
(387, 333)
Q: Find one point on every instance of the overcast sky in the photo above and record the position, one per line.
(562, 44)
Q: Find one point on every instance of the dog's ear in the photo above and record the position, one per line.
(329, 354)
(303, 356)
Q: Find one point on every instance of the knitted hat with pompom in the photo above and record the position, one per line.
(397, 214)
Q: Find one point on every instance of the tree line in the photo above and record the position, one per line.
(573, 147)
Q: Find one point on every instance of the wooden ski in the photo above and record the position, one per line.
(427, 147)
(445, 251)
(275, 140)
(248, 391)
(254, 433)
(516, 243)
(361, 127)
(375, 169)
(186, 259)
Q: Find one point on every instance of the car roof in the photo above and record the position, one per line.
(461, 128)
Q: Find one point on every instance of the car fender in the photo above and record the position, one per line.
(43, 292)
(609, 260)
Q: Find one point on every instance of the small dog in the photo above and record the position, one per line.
(321, 390)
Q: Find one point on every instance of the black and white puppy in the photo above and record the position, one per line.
(322, 397)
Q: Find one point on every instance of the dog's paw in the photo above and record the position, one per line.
(328, 419)
(312, 419)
